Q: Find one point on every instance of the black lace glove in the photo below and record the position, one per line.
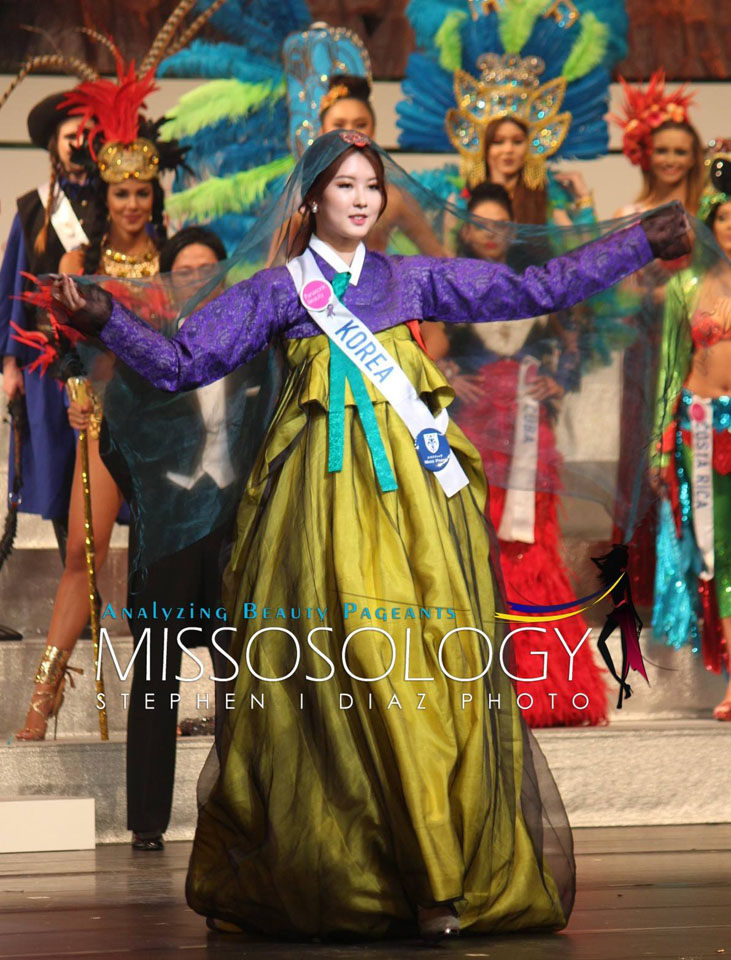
(667, 232)
(88, 307)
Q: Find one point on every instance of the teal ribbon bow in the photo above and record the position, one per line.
(342, 368)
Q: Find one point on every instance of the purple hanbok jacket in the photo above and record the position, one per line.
(240, 323)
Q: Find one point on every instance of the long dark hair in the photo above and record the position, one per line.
(529, 206)
(301, 239)
(100, 225)
(41, 241)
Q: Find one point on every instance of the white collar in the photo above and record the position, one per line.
(336, 262)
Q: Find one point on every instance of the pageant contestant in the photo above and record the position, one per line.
(562, 198)
(503, 374)
(338, 809)
(693, 577)
(51, 220)
(123, 242)
(659, 138)
(527, 84)
(347, 106)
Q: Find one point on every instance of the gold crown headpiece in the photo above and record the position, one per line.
(138, 160)
(508, 87)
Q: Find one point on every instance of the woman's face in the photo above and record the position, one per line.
(349, 114)
(350, 203)
(193, 267)
(194, 257)
(672, 156)
(130, 205)
(506, 154)
(722, 228)
(487, 243)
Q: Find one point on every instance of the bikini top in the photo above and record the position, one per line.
(710, 328)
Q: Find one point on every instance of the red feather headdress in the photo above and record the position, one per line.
(645, 111)
(113, 109)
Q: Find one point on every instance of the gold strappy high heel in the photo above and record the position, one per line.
(52, 672)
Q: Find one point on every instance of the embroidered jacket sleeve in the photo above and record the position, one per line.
(213, 341)
(460, 290)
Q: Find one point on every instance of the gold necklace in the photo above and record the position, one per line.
(132, 266)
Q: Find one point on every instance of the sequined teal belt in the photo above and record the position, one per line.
(343, 369)
(721, 407)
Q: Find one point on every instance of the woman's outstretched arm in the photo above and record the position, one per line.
(220, 336)
(473, 291)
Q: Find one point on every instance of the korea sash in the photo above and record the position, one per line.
(63, 219)
(701, 427)
(518, 521)
(376, 363)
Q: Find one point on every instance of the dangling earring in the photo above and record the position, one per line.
(313, 207)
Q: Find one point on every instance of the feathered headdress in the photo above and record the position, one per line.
(543, 62)
(111, 112)
(112, 109)
(645, 111)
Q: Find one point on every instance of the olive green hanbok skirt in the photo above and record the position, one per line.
(357, 775)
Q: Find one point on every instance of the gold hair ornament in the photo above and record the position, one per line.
(338, 92)
(139, 160)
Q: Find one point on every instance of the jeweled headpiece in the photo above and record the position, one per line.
(110, 111)
(310, 59)
(486, 58)
(645, 111)
(508, 87)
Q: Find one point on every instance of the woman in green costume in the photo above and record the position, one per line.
(693, 574)
(372, 774)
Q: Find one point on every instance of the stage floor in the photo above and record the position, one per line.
(655, 892)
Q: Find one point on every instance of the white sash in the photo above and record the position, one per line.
(518, 521)
(701, 426)
(374, 362)
(63, 219)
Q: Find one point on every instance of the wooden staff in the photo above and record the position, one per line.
(79, 390)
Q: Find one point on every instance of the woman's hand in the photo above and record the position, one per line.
(87, 313)
(79, 414)
(545, 388)
(668, 231)
(64, 290)
(573, 182)
(12, 378)
(467, 387)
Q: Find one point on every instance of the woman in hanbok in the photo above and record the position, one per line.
(366, 780)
